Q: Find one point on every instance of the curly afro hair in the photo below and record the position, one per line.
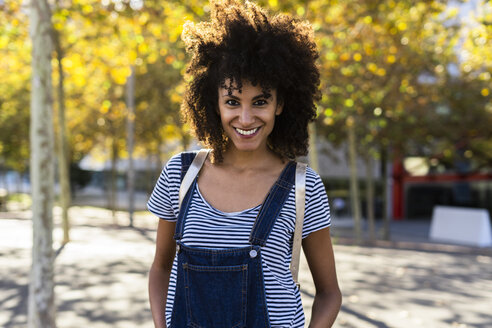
(242, 42)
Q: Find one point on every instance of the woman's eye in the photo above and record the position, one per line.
(232, 102)
(260, 103)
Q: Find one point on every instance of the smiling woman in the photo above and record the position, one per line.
(224, 244)
(247, 45)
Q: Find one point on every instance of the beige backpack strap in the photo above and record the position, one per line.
(192, 172)
(300, 206)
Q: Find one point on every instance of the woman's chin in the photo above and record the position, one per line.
(244, 147)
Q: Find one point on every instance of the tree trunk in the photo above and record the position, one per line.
(354, 188)
(130, 103)
(3, 179)
(185, 141)
(149, 169)
(370, 197)
(112, 187)
(62, 149)
(19, 182)
(313, 149)
(4, 193)
(41, 308)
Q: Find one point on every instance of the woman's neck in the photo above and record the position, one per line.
(245, 160)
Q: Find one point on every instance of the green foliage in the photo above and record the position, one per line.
(384, 63)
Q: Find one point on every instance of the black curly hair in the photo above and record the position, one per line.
(242, 42)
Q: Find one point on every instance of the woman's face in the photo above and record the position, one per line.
(248, 117)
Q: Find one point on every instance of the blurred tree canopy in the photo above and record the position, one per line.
(414, 76)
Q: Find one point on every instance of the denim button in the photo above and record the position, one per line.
(252, 253)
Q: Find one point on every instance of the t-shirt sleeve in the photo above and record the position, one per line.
(317, 211)
(164, 200)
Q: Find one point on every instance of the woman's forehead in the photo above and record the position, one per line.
(233, 86)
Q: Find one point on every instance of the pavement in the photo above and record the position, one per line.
(101, 274)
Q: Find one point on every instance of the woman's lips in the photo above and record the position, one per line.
(247, 133)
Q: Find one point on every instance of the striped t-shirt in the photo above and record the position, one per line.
(209, 227)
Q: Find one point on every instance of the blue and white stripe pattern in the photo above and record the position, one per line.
(208, 227)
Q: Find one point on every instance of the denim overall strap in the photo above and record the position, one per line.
(273, 205)
(186, 160)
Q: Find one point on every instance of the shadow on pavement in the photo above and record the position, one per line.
(101, 279)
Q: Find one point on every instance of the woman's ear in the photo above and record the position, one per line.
(280, 108)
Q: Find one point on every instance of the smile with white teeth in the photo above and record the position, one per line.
(246, 132)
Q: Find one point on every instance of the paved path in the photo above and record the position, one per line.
(101, 278)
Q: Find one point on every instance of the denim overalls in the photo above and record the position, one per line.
(224, 288)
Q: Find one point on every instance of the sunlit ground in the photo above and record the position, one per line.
(101, 278)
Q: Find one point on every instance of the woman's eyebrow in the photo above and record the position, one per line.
(265, 95)
(231, 96)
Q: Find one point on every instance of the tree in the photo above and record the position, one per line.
(373, 57)
(14, 89)
(62, 142)
(41, 289)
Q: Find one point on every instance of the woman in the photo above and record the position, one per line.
(253, 84)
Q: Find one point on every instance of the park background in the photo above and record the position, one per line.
(403, 123)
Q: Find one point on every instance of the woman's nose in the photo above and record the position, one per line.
(246, 115)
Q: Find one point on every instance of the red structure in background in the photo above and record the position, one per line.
(398, 175)
(401, 177)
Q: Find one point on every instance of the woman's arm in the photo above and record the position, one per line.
(328, 299)
(160, 271)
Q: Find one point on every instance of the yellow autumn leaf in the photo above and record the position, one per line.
(143, 48)
(67, 63)
(176, 98)
(453, 12)
(368, 19)
(344, 57)
(170, 129)
(120, 74)
(87, 9)
(402, 26)
(372, 67)
(152, 58)
(328, 112)
(300, 11)
(4, 41)
(143, 18)
(328, 121)
(156, 30)
(79, 80)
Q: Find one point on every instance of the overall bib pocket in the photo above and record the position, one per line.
(216, 296)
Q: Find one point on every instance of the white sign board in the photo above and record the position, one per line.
(461, 225)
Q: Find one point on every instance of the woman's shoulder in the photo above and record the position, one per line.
(174, 162)
(312, 175)
(173, 166)
(314, 182)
